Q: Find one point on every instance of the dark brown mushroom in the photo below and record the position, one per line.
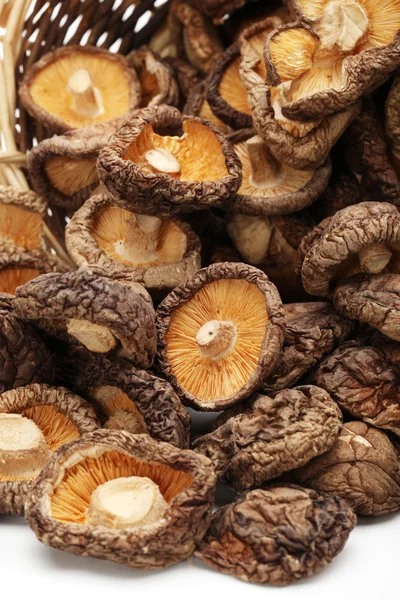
(186, 75)
(277, 536)
(132, 247)
(198, 106)
(21, 217)
(162, 175)
(392, 123)
(34, 421)
(74, 505)
(343, 190)
(217, 9)
(156, 78)
(270, 436)
(363, 468)
(99, 313)
(219, 334)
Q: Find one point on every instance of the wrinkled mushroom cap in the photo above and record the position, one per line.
(185, 480)
(392, 123)
(156, 78)
(21, 217)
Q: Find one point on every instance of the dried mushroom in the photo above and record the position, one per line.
(75, 504)
(156, 174)
(186, 75)
(313, 330)
(156, 78)
(364, 381)
(78, 86)
(363, 468)
(63, 168)
(34, 421)
(218, 9)
(337, 51)
(219, 334)
(270, 436)
(21, 217)
(158, 254)
(363, 238)
(343, 190)
(392, 123)
(371, 299)
(277, 536)
(198, 106)
(96, 312)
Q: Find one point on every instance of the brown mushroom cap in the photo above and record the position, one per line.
(313, 330)
(217, 9)
(186, 75)
(278, 535)
(78, 86)
(158, 254)
(185, 480)
(58, 415)
(271, 436)
(363, 468)
(99, 313)
(197, 106)
(219, 334)
(164, 175)
(392, 123)
(360, 238)
(364, 381)
(343, 190)
(156, 78)
(21, 217)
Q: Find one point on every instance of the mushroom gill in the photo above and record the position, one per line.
(69, 175)
(10, 279)
(23, 227)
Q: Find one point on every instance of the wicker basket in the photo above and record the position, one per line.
(31, 28)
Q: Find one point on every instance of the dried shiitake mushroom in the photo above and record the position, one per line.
(197, 106)
(371, 299)
(337, 51)
(392, 123)
(219, 334)
(313, 330)
(218, 9)
(101, 314)
(270, 436)
(156, 78)
(363, 468)
(158, 254)
(63, 168)
(277, 536)
(363, 238)
(18, 266)
(186, 75)
(343, 190)
(364, 381)
(125, 498)
(78, 86)
(156, 164)
(21, 217)
(34, 421)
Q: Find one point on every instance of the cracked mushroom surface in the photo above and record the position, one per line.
(84, 308)
(21, 217)
(159, 254)
(219, 334)
(277, 535)
(337, 51)
(270, 436)
(77, 86)
(35, 421)
(313, 331)
(156, 78)
(163, 163)
(125, 498)
(364, 381)
(363, 238)
(363, 468)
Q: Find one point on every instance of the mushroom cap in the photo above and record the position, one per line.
(198, 106)
(63, 167)
(362, 468)
(371, 299)
(178, 248)
(277, 535)
(343, 190)
(55, 69)
(270, 436)
(156, 77)
(392, 123)
(125, 312)
(313, 330)
(186, 75)
(185, 479)
(226, 293)
(137, 189)
(364, 381)
(217, 9)
(59, 414)
(339, 239)
(21, 214)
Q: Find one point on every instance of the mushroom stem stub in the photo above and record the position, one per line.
(342, 25)
(265, 171)
(216, 339)
(142, 237)
(96, 338)
(374, 258)
(87, 99)
(125, 503)
(163, 161)
(23, 448)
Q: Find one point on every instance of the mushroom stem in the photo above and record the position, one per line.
(216, 339)
(87, 99)
(23, 448)
(265, 171)
(125, 503)
(342, 25)
(163, 161)
(95, 338)
(142, 237)
(374, 258)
